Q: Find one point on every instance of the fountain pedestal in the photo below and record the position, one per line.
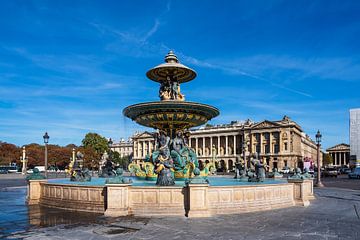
(198, 204)
(117, 200)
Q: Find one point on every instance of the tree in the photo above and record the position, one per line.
(9, 153)
(327, 159)
(95, 141)
(120, 161)
(94, 147)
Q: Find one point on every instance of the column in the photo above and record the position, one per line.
(150, 147)
(211, 146)
(234, 145)
(280, 142)
(196, 146)
(336, 158)
(226, 145)
(143, 149)
(203, 146)
(218, 146)
(271, 143)
(139, 153)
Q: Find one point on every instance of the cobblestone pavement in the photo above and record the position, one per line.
(335, 214)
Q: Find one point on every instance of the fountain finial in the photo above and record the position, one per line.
(171, 57)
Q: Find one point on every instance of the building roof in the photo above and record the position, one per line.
(338, 147)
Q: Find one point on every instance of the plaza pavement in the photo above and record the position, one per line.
(335, 214)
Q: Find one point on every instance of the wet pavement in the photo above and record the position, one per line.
(335, 214)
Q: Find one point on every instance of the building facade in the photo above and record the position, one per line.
(340, 154)
(125, 148)
(280, 143)
(355, 135)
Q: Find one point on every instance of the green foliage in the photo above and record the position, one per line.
(121, 161)
(96, 142)
(327, 159)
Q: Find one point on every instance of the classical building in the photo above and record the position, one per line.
(355, 136)
(125, 148)
(280, 143)
(340, 154)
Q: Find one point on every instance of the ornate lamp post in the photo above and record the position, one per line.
(24, 160)
(46, 141)
(318, 179)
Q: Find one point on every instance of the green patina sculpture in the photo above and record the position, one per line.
(118, 179)
(307, 175)
(297, 174)
(35, 175)
(275, 174)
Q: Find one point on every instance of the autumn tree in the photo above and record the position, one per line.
(327, 159)
(9, 153)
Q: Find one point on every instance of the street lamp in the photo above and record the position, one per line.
(46, 141)
(318, 179)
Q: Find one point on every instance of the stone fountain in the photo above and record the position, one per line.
(171, 164)
(172, 116)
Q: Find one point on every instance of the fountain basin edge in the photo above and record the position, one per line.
(194, 200)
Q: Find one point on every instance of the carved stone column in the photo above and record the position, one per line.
(211, 146)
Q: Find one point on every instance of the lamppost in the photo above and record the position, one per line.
(318, 179)
(46, 141)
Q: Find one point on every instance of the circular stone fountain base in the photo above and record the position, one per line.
(141, 198)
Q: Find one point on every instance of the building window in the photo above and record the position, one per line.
(276, 148)
(258, 150)
(267, 148)
(285, 146)
(285, 163)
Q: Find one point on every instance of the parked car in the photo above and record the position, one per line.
(330, 172)
(345, 170)
(355, 173)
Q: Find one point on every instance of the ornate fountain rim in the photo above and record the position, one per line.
(170, 106)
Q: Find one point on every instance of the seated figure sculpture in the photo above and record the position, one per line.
(78, 172)
(259, 170)
(240, 171)
(162, 161)
(184, 158)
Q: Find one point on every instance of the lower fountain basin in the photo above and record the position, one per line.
(143, 198)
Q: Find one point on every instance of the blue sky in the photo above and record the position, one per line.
(70, 67)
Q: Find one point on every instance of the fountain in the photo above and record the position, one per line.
(182, 187)
(172, 116)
